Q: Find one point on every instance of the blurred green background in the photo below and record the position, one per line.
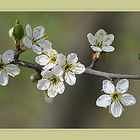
(23, 106)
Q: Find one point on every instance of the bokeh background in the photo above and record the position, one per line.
(23, 106)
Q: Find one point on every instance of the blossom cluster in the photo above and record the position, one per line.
(113, 98)
(58, 68)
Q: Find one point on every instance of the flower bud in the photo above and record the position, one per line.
(18, 31)
(34, 77)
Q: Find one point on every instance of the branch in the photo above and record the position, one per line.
(88, 70)
(111, 76)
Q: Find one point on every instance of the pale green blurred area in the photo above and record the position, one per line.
(23, 106)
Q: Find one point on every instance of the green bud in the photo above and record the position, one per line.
(18, 31)
(34, 77)
(139, 56)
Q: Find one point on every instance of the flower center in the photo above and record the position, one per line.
(53, 58)
(116, 96)
(1, 65)
(99, 43)
(67, 67)
(54, 80)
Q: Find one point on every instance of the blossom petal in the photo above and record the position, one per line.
(70, 78)
(91, 38)
(52, 91)
(116, 109)
(43, 43)
(11, 32)
(37, 49)
(27, 42)
(43, 84)
(96, 49)
(128, 100)
(108, 86)
(47, 74)
(61, 60)
(108, 49)
(103, 101)
(3, 78)
(38, 31)
(8, 56)
(42, 59)
(122, 86)
(12, 70)
(49, 66)
(29, 31)
(78, 68)
(100, 34)
(109, 39)
(61, 87)
(57, 70)
(72, 58)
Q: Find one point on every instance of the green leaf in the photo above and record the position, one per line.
(139, 56)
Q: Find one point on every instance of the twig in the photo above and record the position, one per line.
(111, 76)
(88, 70)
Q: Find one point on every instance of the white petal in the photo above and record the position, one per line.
(61, 59)
(100, 33)
(128, 100)
(38, 31)
(27, 42)
(49, 66)
(108, 86)
(91, 38)
(12, 70)
(57, 71)
(116, 109)
(109, 39)
(108, 49)
(122, 86)
(61, 87)
(44, 43)
(72, 58)
(42, 60)
(47, 74)
(43, 84)
(78, 68)
(96, 49)
(52, 91)
(103, 101)
(11, 32)
(29, 31)
(3, 78)
(37, 49)
(70, 78)
(8, 56)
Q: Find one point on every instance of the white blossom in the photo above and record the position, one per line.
(101, 41)
(51, 82)
(70, 66)
(115, 97)
(36, 39)
(6, 68)
(49, 59)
